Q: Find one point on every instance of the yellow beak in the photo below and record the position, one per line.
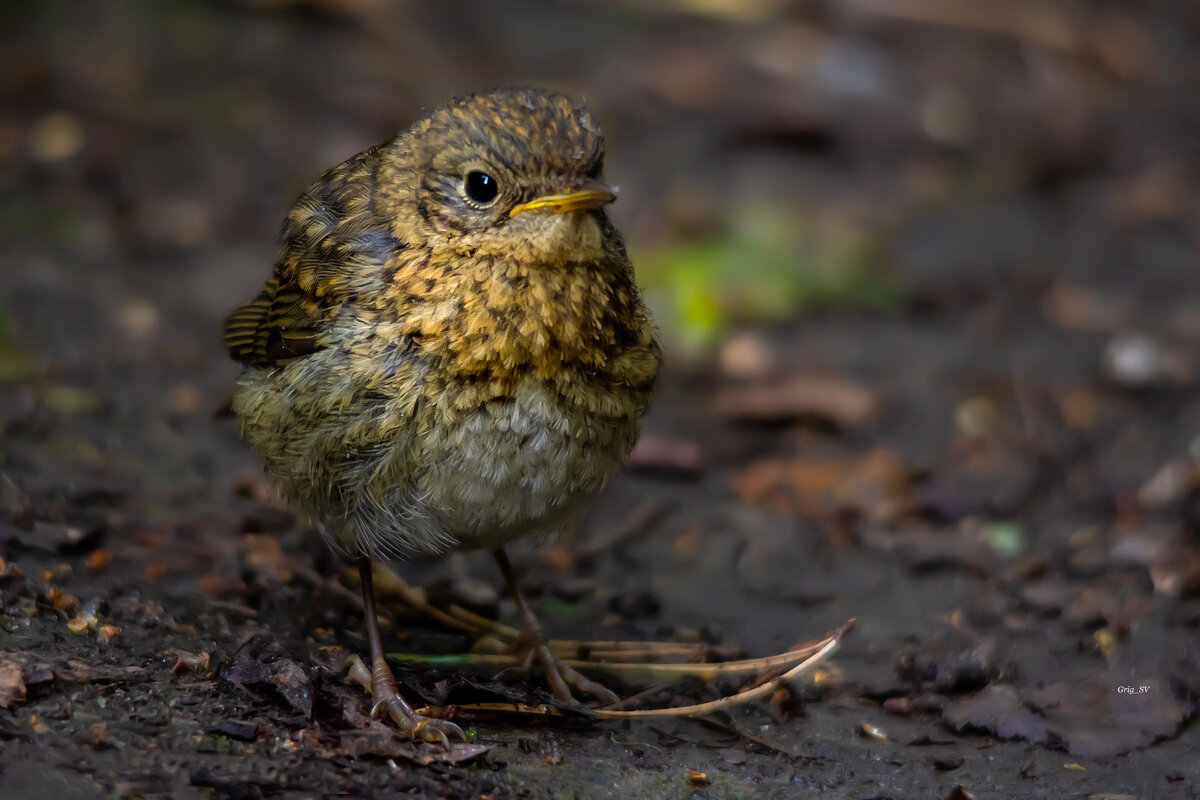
(596, 195)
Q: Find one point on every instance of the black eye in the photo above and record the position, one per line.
(481, 187)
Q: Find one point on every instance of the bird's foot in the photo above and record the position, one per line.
(532, 646)
(386, 700)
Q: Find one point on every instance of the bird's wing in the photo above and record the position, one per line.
(334, 246)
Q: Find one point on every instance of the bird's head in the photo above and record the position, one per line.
(511, 174)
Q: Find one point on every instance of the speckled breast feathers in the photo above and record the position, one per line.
(426, 371)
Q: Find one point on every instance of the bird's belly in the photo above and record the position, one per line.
(516, 466)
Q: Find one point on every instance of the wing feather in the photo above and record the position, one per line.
(333, 244)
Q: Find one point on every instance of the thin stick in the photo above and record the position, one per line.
(827, 647)
(459, 618)
(389, 582)
(742, 733)
(648, 651)
(701, 670)
(610, 650)
(824, 648)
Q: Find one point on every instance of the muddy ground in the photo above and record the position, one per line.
(983, 446)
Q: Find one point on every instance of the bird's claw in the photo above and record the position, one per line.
(429, 729)
(418, 726)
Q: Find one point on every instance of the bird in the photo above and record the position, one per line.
(451, 351)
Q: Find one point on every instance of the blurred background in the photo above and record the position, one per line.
(927, 271)
(775, 156)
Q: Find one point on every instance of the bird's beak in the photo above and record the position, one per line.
(593, 194)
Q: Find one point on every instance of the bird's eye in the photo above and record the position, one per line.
(481, 187)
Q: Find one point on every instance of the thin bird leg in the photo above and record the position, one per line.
(532, 644)
(384, 695)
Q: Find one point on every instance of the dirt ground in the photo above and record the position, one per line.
(985, 447)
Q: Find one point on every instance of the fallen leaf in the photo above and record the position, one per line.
(1097, 719)
(790, 486)
(875, 486)
(35, 672)
(293, 682)
(379, 740)
(827, 399)
(240, 730)
(951, 672)
(197, 663)
(79, 671)
(270, 664)
(12, 684)
(998, 711)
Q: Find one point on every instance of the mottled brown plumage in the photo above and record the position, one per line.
(445, 361)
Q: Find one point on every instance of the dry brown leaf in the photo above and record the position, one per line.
(875, 486)
(79, 671)
(12, 684)
(378, 740)
(790, 486)
(826, 398)
(1100, 718)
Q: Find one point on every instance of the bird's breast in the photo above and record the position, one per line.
(507, 320)
(518, 464)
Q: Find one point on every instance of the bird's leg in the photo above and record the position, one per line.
(532, 645)
(384, 695)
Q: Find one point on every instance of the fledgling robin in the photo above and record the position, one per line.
(451, 351)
